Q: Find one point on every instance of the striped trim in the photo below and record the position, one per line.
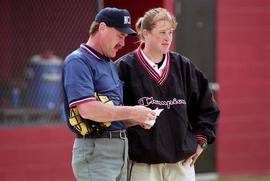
(89, 52)
(150, 70)
(75, 103)
(200, 137)
(146, 66)
(166, 71)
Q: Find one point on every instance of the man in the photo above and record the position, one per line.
(169, 82)
(93, 100)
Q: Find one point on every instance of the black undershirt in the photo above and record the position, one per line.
(161, 62)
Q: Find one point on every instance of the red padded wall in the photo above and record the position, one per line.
(36, 153)
(243, 69)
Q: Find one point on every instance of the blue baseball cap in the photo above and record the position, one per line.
(116, 18)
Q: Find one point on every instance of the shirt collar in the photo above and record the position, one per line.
(152, 64)
(94, 52)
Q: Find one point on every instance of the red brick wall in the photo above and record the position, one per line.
(243, 69)
(36, 153)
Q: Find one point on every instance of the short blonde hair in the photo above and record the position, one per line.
(151, 17)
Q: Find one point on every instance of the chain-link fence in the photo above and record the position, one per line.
(35, 37)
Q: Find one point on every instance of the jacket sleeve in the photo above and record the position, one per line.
(203, 112)
(124, 75)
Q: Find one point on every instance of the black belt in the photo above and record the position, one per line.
(108, 134)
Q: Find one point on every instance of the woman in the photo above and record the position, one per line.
(158, 78)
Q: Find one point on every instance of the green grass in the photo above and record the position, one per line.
(245, 179)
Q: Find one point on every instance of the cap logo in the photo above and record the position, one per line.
(127, 20)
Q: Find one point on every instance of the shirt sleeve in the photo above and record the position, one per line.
(78, 81)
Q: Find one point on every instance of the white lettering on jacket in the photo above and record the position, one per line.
(146, 101)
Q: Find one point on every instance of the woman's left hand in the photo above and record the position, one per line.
(193, 158)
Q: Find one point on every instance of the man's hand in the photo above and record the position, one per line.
(149, 123)
(140, 114)
(146, 126)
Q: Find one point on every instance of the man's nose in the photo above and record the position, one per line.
(122, 42)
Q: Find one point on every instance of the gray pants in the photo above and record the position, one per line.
(100, 159)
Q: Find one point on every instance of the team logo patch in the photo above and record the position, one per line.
(127, 20)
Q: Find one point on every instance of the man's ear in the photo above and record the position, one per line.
(102, 26)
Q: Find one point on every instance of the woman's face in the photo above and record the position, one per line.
(159, 39)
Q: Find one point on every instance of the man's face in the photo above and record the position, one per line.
(112, 41)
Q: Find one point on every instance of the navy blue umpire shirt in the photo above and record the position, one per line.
(85, 72)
